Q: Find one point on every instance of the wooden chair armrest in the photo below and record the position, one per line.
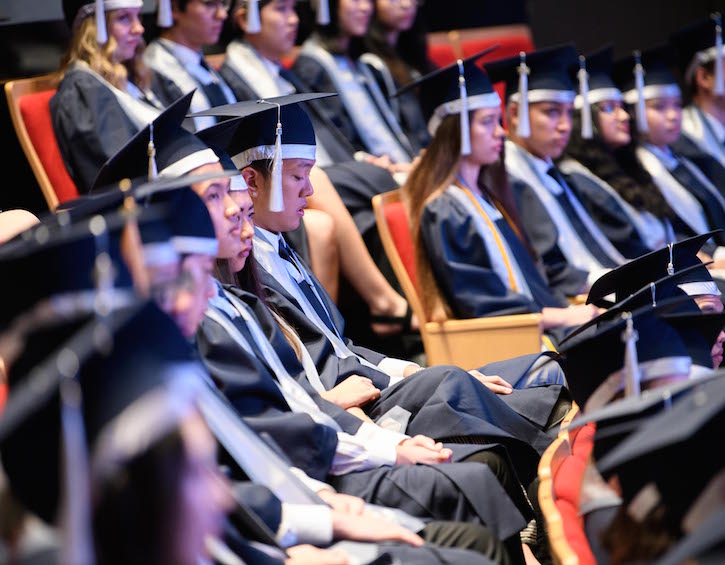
(578, 299)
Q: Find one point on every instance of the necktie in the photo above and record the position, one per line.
(576, 222)
(305, 285)
(710, 203)
(213, 91)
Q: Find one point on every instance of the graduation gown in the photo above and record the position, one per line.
(698, 131)
(92, 121)
(463, 266)
(460, 492)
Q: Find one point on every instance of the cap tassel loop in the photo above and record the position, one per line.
(586, 113)
(164, 17)
(276, 201)
(670, 265)
(639, 85)
(323, 13)
(632, 374)
(254, 25)
(523, 129)
(465, 125)
(153, 170)
(719, 89)
(101, 33)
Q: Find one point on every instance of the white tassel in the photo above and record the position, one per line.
(164, 18)
(276, 199)
(641, 111)
(153, 170)
(254, 25)
(586, 113)
(632, 374)
(101, 33)
(719, 89)
(323, 12)
(670, 265)
(523, 129)
(465, 126)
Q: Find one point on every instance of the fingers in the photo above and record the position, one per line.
(406, 536)
(499, 389)
(427, 442)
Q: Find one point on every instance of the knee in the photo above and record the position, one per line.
(321, 232)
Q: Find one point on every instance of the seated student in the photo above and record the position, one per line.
(574, 249)
(313, 445)
(329, 61)
(698, 203)
(703, 120)
(600, 157)
(105, 94)
(468, 233)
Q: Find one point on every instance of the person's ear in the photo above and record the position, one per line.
(254, 180)
(512, 116)
(240, 18)
(703, 79)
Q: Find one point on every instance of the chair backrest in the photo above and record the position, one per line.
(392, 221)
(30, 112)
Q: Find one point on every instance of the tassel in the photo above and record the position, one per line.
(253, 23)
(153, 171)
(164, 18)
(323, 12)
(101, 33)
(465, 126)
(719, 89)
(276, 200)
(670, 265)
(523, 129)
(587, 130)
(632, 374)
(641, 112)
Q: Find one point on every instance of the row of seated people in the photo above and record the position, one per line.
(340, 413)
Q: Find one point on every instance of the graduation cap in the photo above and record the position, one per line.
(190, 225)
(638, 346)
(538, 76)
(593, 74)
(162, 146)
(644, 75)
(217, 137)
(637, 273)
(270, 129)
(456, 89)
(75, 11)
(648, 463)
(698, 44)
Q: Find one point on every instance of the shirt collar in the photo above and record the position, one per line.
(272, 237)
(665, 156)
(717, 128)
(185, 55)
(541, 166)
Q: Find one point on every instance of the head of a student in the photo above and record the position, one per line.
(712, 304)
(702, 85)
(246, 206)
(551, 126)
(349, 21)
(279, 23)
(113, 58)
(197, 23)
(664, 120)
(396, 15)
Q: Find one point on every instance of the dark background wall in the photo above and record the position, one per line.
(33, 35)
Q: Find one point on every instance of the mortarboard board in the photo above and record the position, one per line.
(217, 137)
(538, 76)
(637, 273)
(648, 462)
(644, 75)
(595, 84)
(271, 129)
(456, 89)
(698, 44)
(594, 363)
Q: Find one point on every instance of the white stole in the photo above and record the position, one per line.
(696, 127)
(245, 62)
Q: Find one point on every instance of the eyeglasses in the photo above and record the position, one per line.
(216, 5)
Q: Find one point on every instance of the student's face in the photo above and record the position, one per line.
(487, 136)
(222, 209)
(205, 495)
(710, 303)
(664, 120)
(278, 31)
(192, 297)
(246, 206)
(201, 23)
(354, 17)
(550, 129)
(613, 123)
(125, 27)
(296, 187)
(397, 15)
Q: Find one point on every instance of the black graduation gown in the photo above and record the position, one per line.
(608, 215)
(459, 492)
(542, 233)
(709, 165)
(462, 266)
(89, 124)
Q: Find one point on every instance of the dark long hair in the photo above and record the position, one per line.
(619, 168)
(328, 35)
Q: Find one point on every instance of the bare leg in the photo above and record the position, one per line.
(324, 250)
(356, 263)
